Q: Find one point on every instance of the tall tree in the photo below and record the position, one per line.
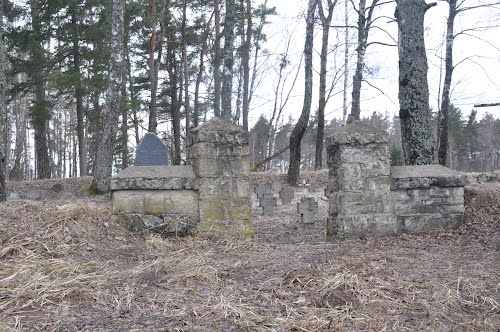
(414, 111)
(104, 160)
(445, 98)
(246, 63)
(325, 25)
(217, 61)
(3, 195)
(301, 125)
(365, 21)
(40, 110)
(79, 90)
(227, 71)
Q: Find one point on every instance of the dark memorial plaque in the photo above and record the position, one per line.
(151, 151)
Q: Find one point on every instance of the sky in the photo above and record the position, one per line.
(475, 80)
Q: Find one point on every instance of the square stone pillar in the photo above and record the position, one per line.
(219, 153)
(359, 183)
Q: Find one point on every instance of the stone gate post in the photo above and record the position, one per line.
(359, 183)
(219, 153)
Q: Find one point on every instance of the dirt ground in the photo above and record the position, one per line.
(65, 267)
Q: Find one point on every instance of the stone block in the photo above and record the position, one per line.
(165, 225)
(156, 202)
(231, 218)
(429, 223)
(342, 227)
(268, 202)
(127, 202)
(154, 178)
(151, 151)
(219, 131)
(224, 188)
(218, 167)
(211, 150)
(287, 195)
(423, 176)
(277, 187)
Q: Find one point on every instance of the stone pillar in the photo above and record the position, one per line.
(359, 183)
(219, 153)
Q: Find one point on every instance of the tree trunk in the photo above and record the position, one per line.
(364, 25)
(217, 60)
(346, 63)
(227, 73)
(414, 111)
(186, 69)
(153, 75)
(325, 22)
(174, 101)
(80, 126)
(301, 126)
(246, 64)
(124, 124)
(199, 78)
(3, 192)
(445, 98)
(104, 160)
(40, 112)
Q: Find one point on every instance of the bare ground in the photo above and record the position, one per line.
(65, 267)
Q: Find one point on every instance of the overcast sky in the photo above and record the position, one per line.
(476, 80)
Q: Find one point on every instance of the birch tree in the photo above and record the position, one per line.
(104, 159)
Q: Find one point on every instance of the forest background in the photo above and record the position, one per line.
(187, 61)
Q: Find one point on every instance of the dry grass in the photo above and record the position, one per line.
(66, 268)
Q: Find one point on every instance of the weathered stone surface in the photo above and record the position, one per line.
(312, 186)
(156, 202)
(232, 218)
(268, 202)
(261, 189)
(225, 188)
(34, 194)
(155, 177)
(307, 208)
(277, 187)
(151, 151)
(219, 153)
(165, 224)
(357, 133)
(354, 226)
(429, 222)
(287, 195)
(220, 131)
(407, 177)
(205, 167)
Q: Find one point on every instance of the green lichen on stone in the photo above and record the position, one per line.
(154, 204)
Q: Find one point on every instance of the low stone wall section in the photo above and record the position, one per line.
(160, 199)
(427, 198)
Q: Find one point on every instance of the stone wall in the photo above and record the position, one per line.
(369, 198)
(219, 154)
(427, 198)
(161, 199)
(211, 194)
(359, 186)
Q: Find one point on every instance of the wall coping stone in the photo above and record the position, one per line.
(423, 176)
(155, 178)
(356, 134)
